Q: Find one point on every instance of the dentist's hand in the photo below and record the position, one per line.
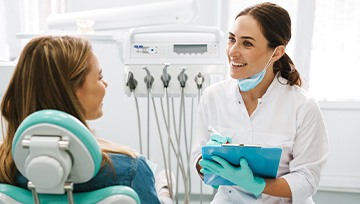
(217, 140)
(241, 176)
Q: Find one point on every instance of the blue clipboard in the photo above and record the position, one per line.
(264, 161)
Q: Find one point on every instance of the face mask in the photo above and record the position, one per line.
(251, 82)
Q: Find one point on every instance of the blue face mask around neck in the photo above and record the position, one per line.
(251, 82)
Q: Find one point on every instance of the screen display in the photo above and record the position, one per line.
(190, 48)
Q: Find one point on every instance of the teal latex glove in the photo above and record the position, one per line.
(217, 140)
(241, 176)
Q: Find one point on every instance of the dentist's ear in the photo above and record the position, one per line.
(279, 52)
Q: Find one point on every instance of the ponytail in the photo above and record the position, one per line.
(287, 70)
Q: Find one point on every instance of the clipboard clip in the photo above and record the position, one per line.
(241, 145)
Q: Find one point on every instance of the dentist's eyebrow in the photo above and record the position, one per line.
(243, 37)
(248, 38)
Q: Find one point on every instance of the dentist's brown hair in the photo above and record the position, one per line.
(275, 24)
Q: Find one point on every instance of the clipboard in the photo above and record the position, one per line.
(263, 161)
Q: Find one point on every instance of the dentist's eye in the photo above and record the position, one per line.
(232, 39)
(247, 44)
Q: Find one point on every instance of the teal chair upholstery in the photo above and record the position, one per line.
(54, 150)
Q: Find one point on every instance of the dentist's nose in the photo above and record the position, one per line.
(233, 50)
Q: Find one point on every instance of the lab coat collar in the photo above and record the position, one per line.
(277, 81)
(235, 93)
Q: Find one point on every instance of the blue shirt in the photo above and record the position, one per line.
(124, 170)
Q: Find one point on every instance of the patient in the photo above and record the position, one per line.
(63, 73)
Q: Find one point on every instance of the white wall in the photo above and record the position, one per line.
(341, 177)
(9, 27)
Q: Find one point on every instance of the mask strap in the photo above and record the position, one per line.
(268, 63)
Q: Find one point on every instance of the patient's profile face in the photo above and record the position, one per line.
(92, 92)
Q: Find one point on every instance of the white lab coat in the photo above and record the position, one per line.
(286, 117)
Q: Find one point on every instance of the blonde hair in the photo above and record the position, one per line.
(48, 72)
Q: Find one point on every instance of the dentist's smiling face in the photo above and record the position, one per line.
(247, 48)
(92, 92)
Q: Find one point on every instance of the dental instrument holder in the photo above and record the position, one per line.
(182, 77)
(165, 77)
(201, 49)
(148, 79)
(131, 81)
(199, 80)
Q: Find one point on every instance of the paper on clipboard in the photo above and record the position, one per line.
(264, 161)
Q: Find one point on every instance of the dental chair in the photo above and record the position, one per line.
(54, 151)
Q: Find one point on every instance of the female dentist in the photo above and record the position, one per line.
(263, 103)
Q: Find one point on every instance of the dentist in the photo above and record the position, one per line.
(263, 103)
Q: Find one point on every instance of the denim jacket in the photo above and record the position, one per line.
(132, 172)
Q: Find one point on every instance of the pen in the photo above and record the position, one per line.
(216, 136)
(212, 130)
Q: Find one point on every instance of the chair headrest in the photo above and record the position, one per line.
(83, 148)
